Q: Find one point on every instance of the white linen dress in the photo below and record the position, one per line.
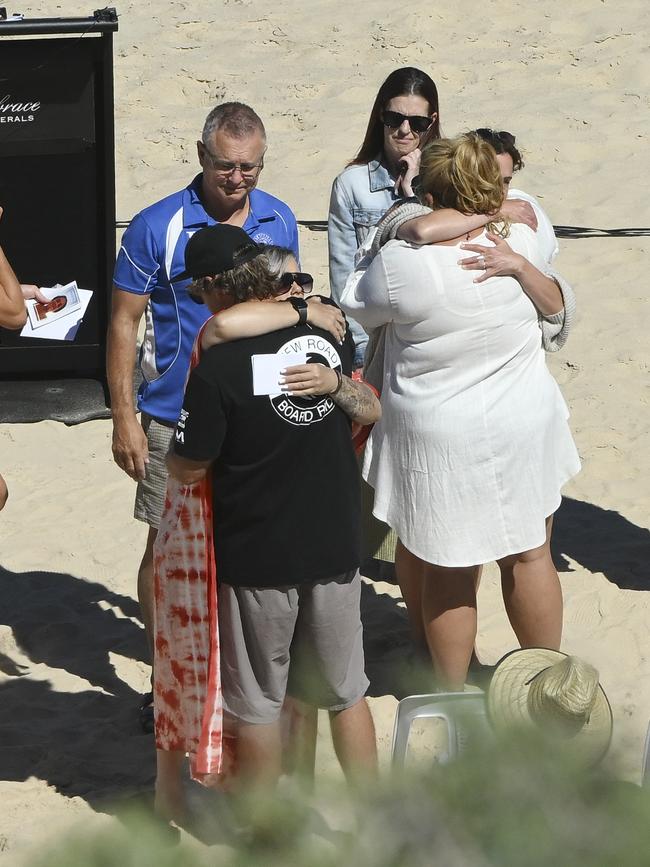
(473, 447)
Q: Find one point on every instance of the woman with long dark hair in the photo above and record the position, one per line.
(404, 114)
(405, 108)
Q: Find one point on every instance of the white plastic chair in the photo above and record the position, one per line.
(462, 712)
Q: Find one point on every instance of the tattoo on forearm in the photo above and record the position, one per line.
(355, 399)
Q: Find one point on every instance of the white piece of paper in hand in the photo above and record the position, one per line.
(65, 327)
(267, 371)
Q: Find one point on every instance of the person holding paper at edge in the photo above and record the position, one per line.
(13, 314)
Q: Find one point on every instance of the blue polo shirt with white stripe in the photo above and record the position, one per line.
(152, 253)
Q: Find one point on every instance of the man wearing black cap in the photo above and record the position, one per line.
(286, 511)
(147, 281)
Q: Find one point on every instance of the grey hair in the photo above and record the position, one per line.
(277, 258)
(234, 118)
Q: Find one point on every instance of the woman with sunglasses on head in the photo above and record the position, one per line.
(276, 304)
(510, 161)
(473, 447)
(263, 316)
(254, 318)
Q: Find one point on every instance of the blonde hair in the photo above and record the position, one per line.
(462, 173)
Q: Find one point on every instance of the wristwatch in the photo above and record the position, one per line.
(301, 307)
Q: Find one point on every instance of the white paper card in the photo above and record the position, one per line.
(58, 324)
(267, 371)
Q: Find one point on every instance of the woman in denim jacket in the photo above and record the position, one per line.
(405, 108)
(405, 111)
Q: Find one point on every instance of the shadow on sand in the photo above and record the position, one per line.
(602, 540)
(84, 742)
(88, 743)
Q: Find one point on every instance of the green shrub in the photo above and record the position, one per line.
(509, 806)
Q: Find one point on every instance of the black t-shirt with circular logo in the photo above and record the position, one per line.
(285, 476)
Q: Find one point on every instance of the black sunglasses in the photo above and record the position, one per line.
(305, 281)
(394, 119)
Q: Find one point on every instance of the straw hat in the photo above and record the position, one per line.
(558, 695)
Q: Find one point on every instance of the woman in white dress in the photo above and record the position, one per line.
(473, 447)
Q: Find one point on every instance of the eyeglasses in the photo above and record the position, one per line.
(305, 281)
(225, 168)
(394, 119)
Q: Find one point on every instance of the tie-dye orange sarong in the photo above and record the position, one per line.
(187, 680)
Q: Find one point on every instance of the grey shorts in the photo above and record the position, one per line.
(150, 493)
(304, 640)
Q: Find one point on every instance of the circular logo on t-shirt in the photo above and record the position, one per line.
(262, 238)
(307, 410)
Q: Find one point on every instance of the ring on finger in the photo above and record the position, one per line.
(481, 262)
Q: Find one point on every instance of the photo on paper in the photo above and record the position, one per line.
(62, 300)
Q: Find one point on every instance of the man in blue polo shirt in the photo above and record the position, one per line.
(152, 255)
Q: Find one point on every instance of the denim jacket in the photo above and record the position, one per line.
(361, 195)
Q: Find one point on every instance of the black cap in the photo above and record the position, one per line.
(216, 249)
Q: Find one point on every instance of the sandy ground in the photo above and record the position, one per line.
(567, 79)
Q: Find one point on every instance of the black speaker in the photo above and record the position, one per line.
(57, 180)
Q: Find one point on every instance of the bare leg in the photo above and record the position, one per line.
(410, 573)
(533, 595)
(299, 733)
(145, 588)
(169, 801)
(475, 661)
(410, 576)
(259, 753)
(449, 611)
(353, 734)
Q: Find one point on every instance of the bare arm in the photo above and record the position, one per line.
(129, 441)
(185, 471)
(261, 317)
(446, 224)
(502, 261)
(442, 225)
(356, 399)
(543, 291)
(4, 493)
(13, 313)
